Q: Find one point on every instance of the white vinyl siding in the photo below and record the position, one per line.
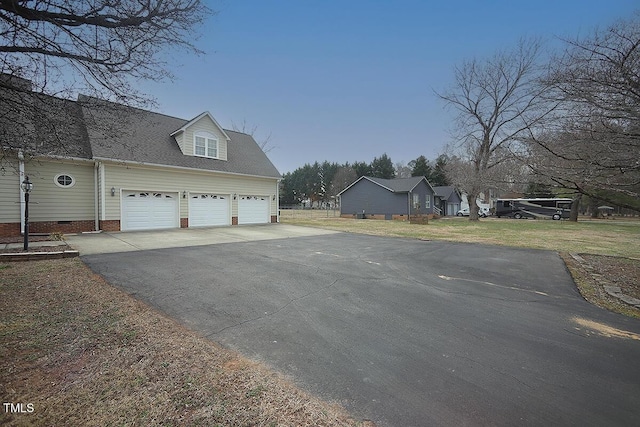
(168, 180)
(10, 194)
(51, 202)
(202, 126)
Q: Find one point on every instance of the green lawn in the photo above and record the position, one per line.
(601, 237)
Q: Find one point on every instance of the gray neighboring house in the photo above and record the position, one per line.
(387, 198)
(448, 200)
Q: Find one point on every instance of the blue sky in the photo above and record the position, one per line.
(350, 80)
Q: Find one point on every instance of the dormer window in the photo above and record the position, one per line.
(205, 145)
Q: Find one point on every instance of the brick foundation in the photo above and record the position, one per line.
(47, 227)
(184, 222)
(110, 225)
(274, 219)
(10, 229)
(234, 220)
(64, 227)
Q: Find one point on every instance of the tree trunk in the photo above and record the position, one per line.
(575, 206)
(473, 206)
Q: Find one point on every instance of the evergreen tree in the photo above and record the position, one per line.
(438, 176)
(382, 167)
(421, 167)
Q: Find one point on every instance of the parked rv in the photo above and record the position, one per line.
(555, 208)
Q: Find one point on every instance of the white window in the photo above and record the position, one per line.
(64, 180)
(427, 201)
(416, 201)
(205, 145)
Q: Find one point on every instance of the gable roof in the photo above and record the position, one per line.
(122, 133)
(444, 191)
(196, 119)
(396, 185)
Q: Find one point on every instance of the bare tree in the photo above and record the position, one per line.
(52, 50)
(497, 100)
(593, 144)
(403, 170)
(245, 127)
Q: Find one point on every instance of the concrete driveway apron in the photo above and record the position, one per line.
(110, 242)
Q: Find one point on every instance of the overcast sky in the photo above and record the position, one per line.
(349, 80)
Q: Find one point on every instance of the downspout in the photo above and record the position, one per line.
(102, 189)
(95, 197)
(21, 178)
(278, 201)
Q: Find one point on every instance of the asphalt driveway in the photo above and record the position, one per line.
(404, 332)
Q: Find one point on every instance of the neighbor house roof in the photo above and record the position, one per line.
(117, 132)
(397, 185)
(444, 191)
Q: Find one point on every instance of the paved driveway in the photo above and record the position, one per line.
(404, 332)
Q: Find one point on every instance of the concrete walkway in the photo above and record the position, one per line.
(110, 242)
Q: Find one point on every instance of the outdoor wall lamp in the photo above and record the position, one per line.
(113, 191)
(273, 198)
(184, 194)
(235, 196)
(26, 186)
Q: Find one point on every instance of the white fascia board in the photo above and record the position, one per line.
(192, 121)
(350, 185)
(183, 168)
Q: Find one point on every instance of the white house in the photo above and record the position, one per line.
(120, 168)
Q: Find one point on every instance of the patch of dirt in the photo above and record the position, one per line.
(593, 272)
(621, 272)
(605, 330)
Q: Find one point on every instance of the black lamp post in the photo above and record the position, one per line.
(27, 186)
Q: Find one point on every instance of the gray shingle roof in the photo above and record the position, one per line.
(444, 191)
(398, 185)
(128, 134)
(39, 124)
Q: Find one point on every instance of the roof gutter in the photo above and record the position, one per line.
(184, 168)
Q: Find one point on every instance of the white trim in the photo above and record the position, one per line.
(194, 120)
(204, 171)
(96, 199)
(55, 180)
(207, 136)
(103, 197)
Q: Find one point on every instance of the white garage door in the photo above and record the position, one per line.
(148, 210)
(253, 210)
(208, 210)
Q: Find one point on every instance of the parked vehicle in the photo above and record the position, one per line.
(482, 212)
(554, 208)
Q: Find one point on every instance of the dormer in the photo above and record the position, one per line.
(203, 137)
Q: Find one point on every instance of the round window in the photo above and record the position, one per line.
(64, 180)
